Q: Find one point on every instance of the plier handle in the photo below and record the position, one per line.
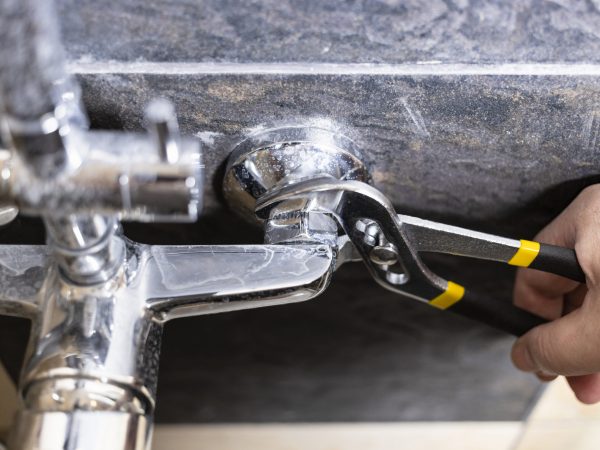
(390, 245)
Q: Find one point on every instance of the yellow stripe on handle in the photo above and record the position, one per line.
(526, 254)
(453, 293)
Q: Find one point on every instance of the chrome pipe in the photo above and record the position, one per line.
(89, 377)
(95, 431)
(90, 372)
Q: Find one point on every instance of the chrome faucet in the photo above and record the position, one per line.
(98, 301)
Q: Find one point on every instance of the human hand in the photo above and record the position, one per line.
(570, 344)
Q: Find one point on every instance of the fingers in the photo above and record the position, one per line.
(528, 295)
(586, 388)
(566, 346)
(576, 227)
(574, 299)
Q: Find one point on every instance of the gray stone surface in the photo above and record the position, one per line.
(350, 31)
(472, 149)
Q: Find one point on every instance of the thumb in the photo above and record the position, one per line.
(567, 346)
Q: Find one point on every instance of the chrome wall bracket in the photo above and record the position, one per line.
(272, 158)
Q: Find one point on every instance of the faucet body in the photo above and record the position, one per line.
(98, 301)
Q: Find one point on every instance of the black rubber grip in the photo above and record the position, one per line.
(559, 260)
(498, 314)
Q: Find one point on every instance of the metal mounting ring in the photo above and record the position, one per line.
(278, 157)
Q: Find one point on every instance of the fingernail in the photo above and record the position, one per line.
(522, 359)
